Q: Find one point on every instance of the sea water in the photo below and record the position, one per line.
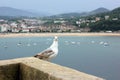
(98, 56)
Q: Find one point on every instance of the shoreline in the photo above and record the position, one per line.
(55, 34)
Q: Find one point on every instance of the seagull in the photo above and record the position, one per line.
(50, 52)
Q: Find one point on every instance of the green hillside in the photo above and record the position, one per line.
(112, 23)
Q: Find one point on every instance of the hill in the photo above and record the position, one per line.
(112, 23)
(98, 11)
(8, 11)
(77, 14)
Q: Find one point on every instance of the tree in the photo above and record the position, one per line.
(106, 25)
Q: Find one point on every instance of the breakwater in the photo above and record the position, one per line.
(31, 68)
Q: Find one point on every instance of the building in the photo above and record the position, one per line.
(107, 17)
(4, 28)
(115, 19)
(59, 21)
(97, 19)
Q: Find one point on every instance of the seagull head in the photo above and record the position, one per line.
(55, 42)
(55, 38)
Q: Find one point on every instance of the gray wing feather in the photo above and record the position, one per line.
(45, 54)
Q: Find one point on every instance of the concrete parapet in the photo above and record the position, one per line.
(31, 68)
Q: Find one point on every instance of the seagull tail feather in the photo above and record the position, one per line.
(39, 56)
(36, 56)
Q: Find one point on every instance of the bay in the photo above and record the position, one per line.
(94, 55)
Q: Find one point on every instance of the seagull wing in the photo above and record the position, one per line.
(45, 54)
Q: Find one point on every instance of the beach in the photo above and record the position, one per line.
(55, 34)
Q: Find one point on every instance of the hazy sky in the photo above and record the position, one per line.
(60, 6)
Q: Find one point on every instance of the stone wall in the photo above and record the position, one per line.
(9, 72)
(34, 69)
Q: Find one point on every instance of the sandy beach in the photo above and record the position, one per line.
(55, 34)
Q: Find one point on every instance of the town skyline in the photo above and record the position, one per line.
(60, 6)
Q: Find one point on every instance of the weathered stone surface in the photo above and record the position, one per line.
(34, 69)
(9, 72)
(29, 73)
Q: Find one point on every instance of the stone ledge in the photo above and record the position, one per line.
(31, 68)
